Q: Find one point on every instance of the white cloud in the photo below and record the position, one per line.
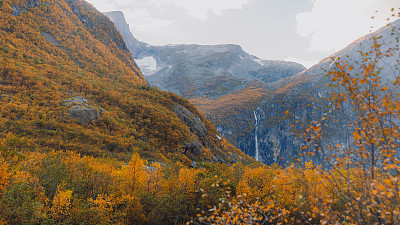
(145, 16)
(144, 22)
(303, 62)
(138, 13)
(332, 25)
(201, 8)
(102, 5)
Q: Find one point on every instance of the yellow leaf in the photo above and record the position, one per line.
(356, 136)
(387, 182)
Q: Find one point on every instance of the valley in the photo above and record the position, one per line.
(95, 127)
(268, 88)
(225, 83)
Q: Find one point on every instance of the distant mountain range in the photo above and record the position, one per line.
(201, 70)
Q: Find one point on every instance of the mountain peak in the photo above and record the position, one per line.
(116, 14)
(118, 18)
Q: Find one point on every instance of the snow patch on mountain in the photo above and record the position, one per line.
(259, 61)
(147, 64)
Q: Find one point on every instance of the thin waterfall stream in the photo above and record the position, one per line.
(255, 136)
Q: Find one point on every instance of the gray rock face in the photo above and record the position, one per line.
(84, 114)
(79, 109)
(134, 46)
(196, 125)
(192, 148)
(50, 38)
(18, 9)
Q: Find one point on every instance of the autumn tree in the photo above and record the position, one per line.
(361, 183)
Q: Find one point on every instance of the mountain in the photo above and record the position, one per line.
(223, 81)
(84, 139)
(306, 96)
(69, 83)
(135, 46)
(201, 70)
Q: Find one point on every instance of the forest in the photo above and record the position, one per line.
(135, 161)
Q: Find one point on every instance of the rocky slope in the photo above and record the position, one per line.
(68, 82)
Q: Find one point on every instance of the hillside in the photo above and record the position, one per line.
(68, 82)
(306, 96)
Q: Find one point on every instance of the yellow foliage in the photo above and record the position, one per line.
(4, 176)
(102, 205)
(186, 180)
(61, 204)
(134, 176)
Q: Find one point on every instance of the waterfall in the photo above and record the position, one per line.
(255, 136)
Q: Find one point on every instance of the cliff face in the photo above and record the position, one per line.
(265, 126)
(135, 46)
(68, 82)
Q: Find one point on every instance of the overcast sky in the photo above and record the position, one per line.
(304, 31)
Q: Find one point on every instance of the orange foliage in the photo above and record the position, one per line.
(4, 176)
